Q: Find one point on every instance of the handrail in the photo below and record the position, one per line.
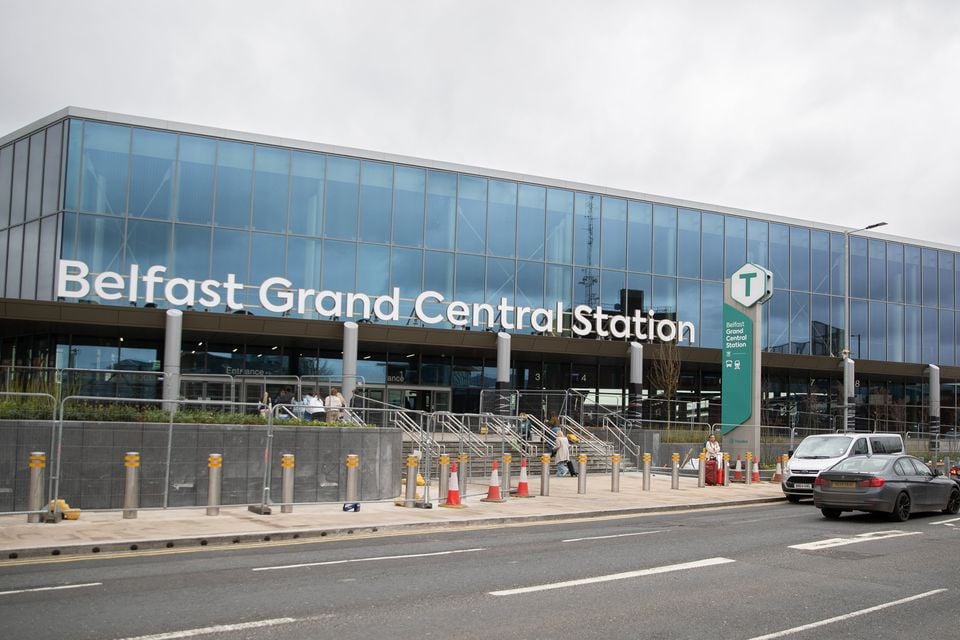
(627, 445)
(587, 439)
(505, 430)
(415, 431)
(477, 445)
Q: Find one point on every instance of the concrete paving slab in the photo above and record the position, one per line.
(107, 532)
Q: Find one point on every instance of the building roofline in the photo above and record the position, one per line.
(257, 138)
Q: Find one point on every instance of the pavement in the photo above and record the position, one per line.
(108, 532)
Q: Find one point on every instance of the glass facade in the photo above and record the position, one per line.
(113, 195)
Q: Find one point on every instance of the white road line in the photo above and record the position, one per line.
(330, 562)
(846, 616)
(615, 576)
(220, 628)
(863, 537)
(946, 522)
(619, 535)
(64, 586)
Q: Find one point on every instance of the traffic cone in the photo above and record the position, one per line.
(777, 473)
(453, 490)
(523, 488)
(755, 476)
(493, 492)
(738, 471)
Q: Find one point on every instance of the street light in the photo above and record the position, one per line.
(847, 373)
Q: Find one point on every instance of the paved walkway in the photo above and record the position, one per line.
(107, 531)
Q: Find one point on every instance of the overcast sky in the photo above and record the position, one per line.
(845, 112)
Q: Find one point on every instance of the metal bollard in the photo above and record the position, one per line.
(463, 460)
(946, 467)
(545, 474)
(726, 469)
(131, 488)
(353, 483)
(582, 473)
(748, 476)
(410, 499)
(702, 471)
(444, 480)
(38, 462)
(675, 471)
(288, 463)
(647, 458)
(615, 473)
(505, 475)
(214, 464)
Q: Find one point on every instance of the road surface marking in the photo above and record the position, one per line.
(863, 537)
(64, 586)
(846, 616)
(615, 576)
(948, 523)
(400, 557)
(619, 535)
(220, 628)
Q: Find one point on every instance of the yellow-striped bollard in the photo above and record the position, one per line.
(353, 483)
(545, 474)
(131, 487)
(675, 471)
(726, 469)
(410, 499)
(615, 473)
(505, 475)
(444, 481)
(37, 464)
(582, 472)
(647, 461)
(463, 460)
(748, 476)
(288, 466)
(702, 469)
(215, 468)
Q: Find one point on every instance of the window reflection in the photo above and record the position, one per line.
(106, 150)
(614, 233)
(664, 240)
(735, 244)
(342, 193)
(530, 222)
(306, 193)
(408, 203)
(271, 189)
(195, 171)
(234, 184)
(152, 165)
(502, 218)
(689, 238)
(559, 226)
(441, 210)
(376, 196)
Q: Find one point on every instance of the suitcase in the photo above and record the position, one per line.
(710, 472)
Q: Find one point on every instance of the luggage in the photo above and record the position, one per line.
(710, 472)
(572, 468)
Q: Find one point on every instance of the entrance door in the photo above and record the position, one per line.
(419, 399)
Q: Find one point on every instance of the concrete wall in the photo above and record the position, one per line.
(92, 469)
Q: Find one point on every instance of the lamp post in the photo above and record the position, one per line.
(848, 374)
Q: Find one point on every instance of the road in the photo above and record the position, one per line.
(749, 572)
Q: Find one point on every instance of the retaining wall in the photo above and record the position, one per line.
(92, 470)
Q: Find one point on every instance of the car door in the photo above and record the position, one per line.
(926, 492)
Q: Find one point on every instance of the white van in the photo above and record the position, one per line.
(822, 451)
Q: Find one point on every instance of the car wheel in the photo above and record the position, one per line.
(901, 508)
(830, 514)
(953, 504)
(793, 499)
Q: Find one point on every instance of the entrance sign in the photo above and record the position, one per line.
(278, 295)
(745, 291)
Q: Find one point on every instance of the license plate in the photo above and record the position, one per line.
(802, 485)
(840, 484)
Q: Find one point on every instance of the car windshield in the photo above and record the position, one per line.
(829, 447)
(861, 465)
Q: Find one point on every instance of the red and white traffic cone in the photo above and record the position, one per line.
(755, 476)
(777, 473)
(523, 488)
(453, 490)
(493, 492)
(738, 471)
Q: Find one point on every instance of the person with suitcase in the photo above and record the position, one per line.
(712, 449)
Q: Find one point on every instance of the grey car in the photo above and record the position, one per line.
(897, 485)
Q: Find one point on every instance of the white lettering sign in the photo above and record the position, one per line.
(278, 295)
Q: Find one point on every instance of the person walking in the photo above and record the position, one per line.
(334, 404)
(561, 453)
(712, 448)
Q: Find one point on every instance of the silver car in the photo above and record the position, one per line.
(897, 485)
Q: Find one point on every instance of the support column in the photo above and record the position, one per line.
(351, 340)
(172, 339)
(933, 379)
(849, 394)
(504, 396)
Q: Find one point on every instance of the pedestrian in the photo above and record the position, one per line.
(285, 396)
(712, 447)
(334, 404)
(562, 455)
(523, 425)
